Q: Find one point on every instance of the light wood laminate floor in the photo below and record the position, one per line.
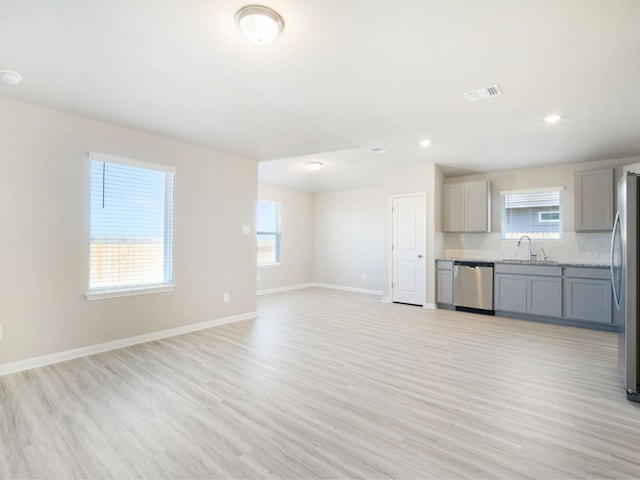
(329, 384)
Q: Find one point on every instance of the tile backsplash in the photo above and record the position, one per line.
(574, 247)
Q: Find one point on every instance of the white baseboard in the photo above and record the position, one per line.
(319, 285)
(284, 289)
(428, 306)
(35, 362)
(348, 289)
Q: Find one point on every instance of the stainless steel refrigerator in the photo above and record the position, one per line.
(625, 280)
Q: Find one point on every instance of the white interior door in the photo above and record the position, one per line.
(408, 246)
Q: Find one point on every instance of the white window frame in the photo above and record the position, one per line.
(167, 285)
(534, 235)
(278, 235)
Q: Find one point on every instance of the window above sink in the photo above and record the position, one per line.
(536, 213)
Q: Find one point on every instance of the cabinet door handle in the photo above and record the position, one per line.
(420, 255)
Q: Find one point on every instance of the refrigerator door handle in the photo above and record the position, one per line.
(614, 234)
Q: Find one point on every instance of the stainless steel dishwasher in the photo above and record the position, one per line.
(473, 286)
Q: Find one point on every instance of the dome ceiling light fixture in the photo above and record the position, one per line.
(314, 165)
(10, 77)
(261, 25)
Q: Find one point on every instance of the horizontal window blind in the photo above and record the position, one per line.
(533, 213)
(268, 232)
(131, 224)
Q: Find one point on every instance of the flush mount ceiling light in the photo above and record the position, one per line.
(314, 165)
(425, 143)
(10, 77)
(261, 25)
(552, 118)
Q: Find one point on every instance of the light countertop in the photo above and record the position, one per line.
(551, 263)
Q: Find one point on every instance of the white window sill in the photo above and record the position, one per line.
(269, 265)
(127, 292)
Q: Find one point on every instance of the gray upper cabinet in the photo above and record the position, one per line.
(454, 205)
(594, 200)
(477, 207)
(467, 207)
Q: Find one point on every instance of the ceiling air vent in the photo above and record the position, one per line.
(482, 93)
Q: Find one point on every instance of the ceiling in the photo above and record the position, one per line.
(345, 76)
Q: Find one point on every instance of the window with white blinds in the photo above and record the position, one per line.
(131, 226)
(536, 213)
(268, 232)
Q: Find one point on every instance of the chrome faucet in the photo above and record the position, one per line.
(544, 254)
(528, 238)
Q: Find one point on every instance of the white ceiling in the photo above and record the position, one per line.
(345, 76)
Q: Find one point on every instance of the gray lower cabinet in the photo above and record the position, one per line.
(544, 296)
(580, 294)
(444, 281)
(587, 295)
(510, 293)
(534, 290)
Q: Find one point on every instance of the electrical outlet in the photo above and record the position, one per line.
(364, 276)
(226, 297)
(246, 229)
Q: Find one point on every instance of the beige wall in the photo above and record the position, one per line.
(348, 238)
(296, 248)
(582, 247)
(351, 231)
(44, 206)
(549, 176)
(425, 179)
(435, 180)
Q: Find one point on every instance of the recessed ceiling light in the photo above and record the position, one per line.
(425, 143)
(261, 25)
(10, 77)
(552, 118)
(314, 165)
